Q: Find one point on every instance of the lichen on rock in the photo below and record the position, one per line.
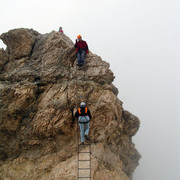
(40, 88)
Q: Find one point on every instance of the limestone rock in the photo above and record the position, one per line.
(19, 42)
(3, 58)
(40, 88)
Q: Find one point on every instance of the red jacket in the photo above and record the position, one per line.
(81, 45)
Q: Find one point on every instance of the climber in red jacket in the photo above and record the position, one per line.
(81, 50)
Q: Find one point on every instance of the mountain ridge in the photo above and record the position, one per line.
(40, 88)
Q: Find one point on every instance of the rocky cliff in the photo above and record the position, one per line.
(40, 89)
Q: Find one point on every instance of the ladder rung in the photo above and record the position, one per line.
(84, 168)
(84, 177)
(84, 144)
(84, 160)
(84, 152)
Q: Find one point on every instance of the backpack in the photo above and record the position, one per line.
(79, 110)
(83, 119)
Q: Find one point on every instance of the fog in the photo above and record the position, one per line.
(141, 41)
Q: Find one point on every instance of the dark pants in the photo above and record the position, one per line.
(81, 57)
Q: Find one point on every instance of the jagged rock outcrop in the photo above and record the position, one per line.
(40, 88)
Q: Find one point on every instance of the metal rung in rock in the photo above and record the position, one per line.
(85, 160)
(84, 177)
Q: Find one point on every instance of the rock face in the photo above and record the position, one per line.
(40, 88)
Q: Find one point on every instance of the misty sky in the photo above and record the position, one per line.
(141, 41)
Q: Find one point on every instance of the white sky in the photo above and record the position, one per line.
(141, 41)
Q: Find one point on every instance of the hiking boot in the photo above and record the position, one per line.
(86, 137)
(82, 143)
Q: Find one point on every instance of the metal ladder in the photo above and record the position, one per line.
(83, 160)
(83, 151)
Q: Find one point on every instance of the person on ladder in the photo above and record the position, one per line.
(83, 114)
(81, 50)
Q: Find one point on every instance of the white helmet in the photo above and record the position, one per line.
(83, 104)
